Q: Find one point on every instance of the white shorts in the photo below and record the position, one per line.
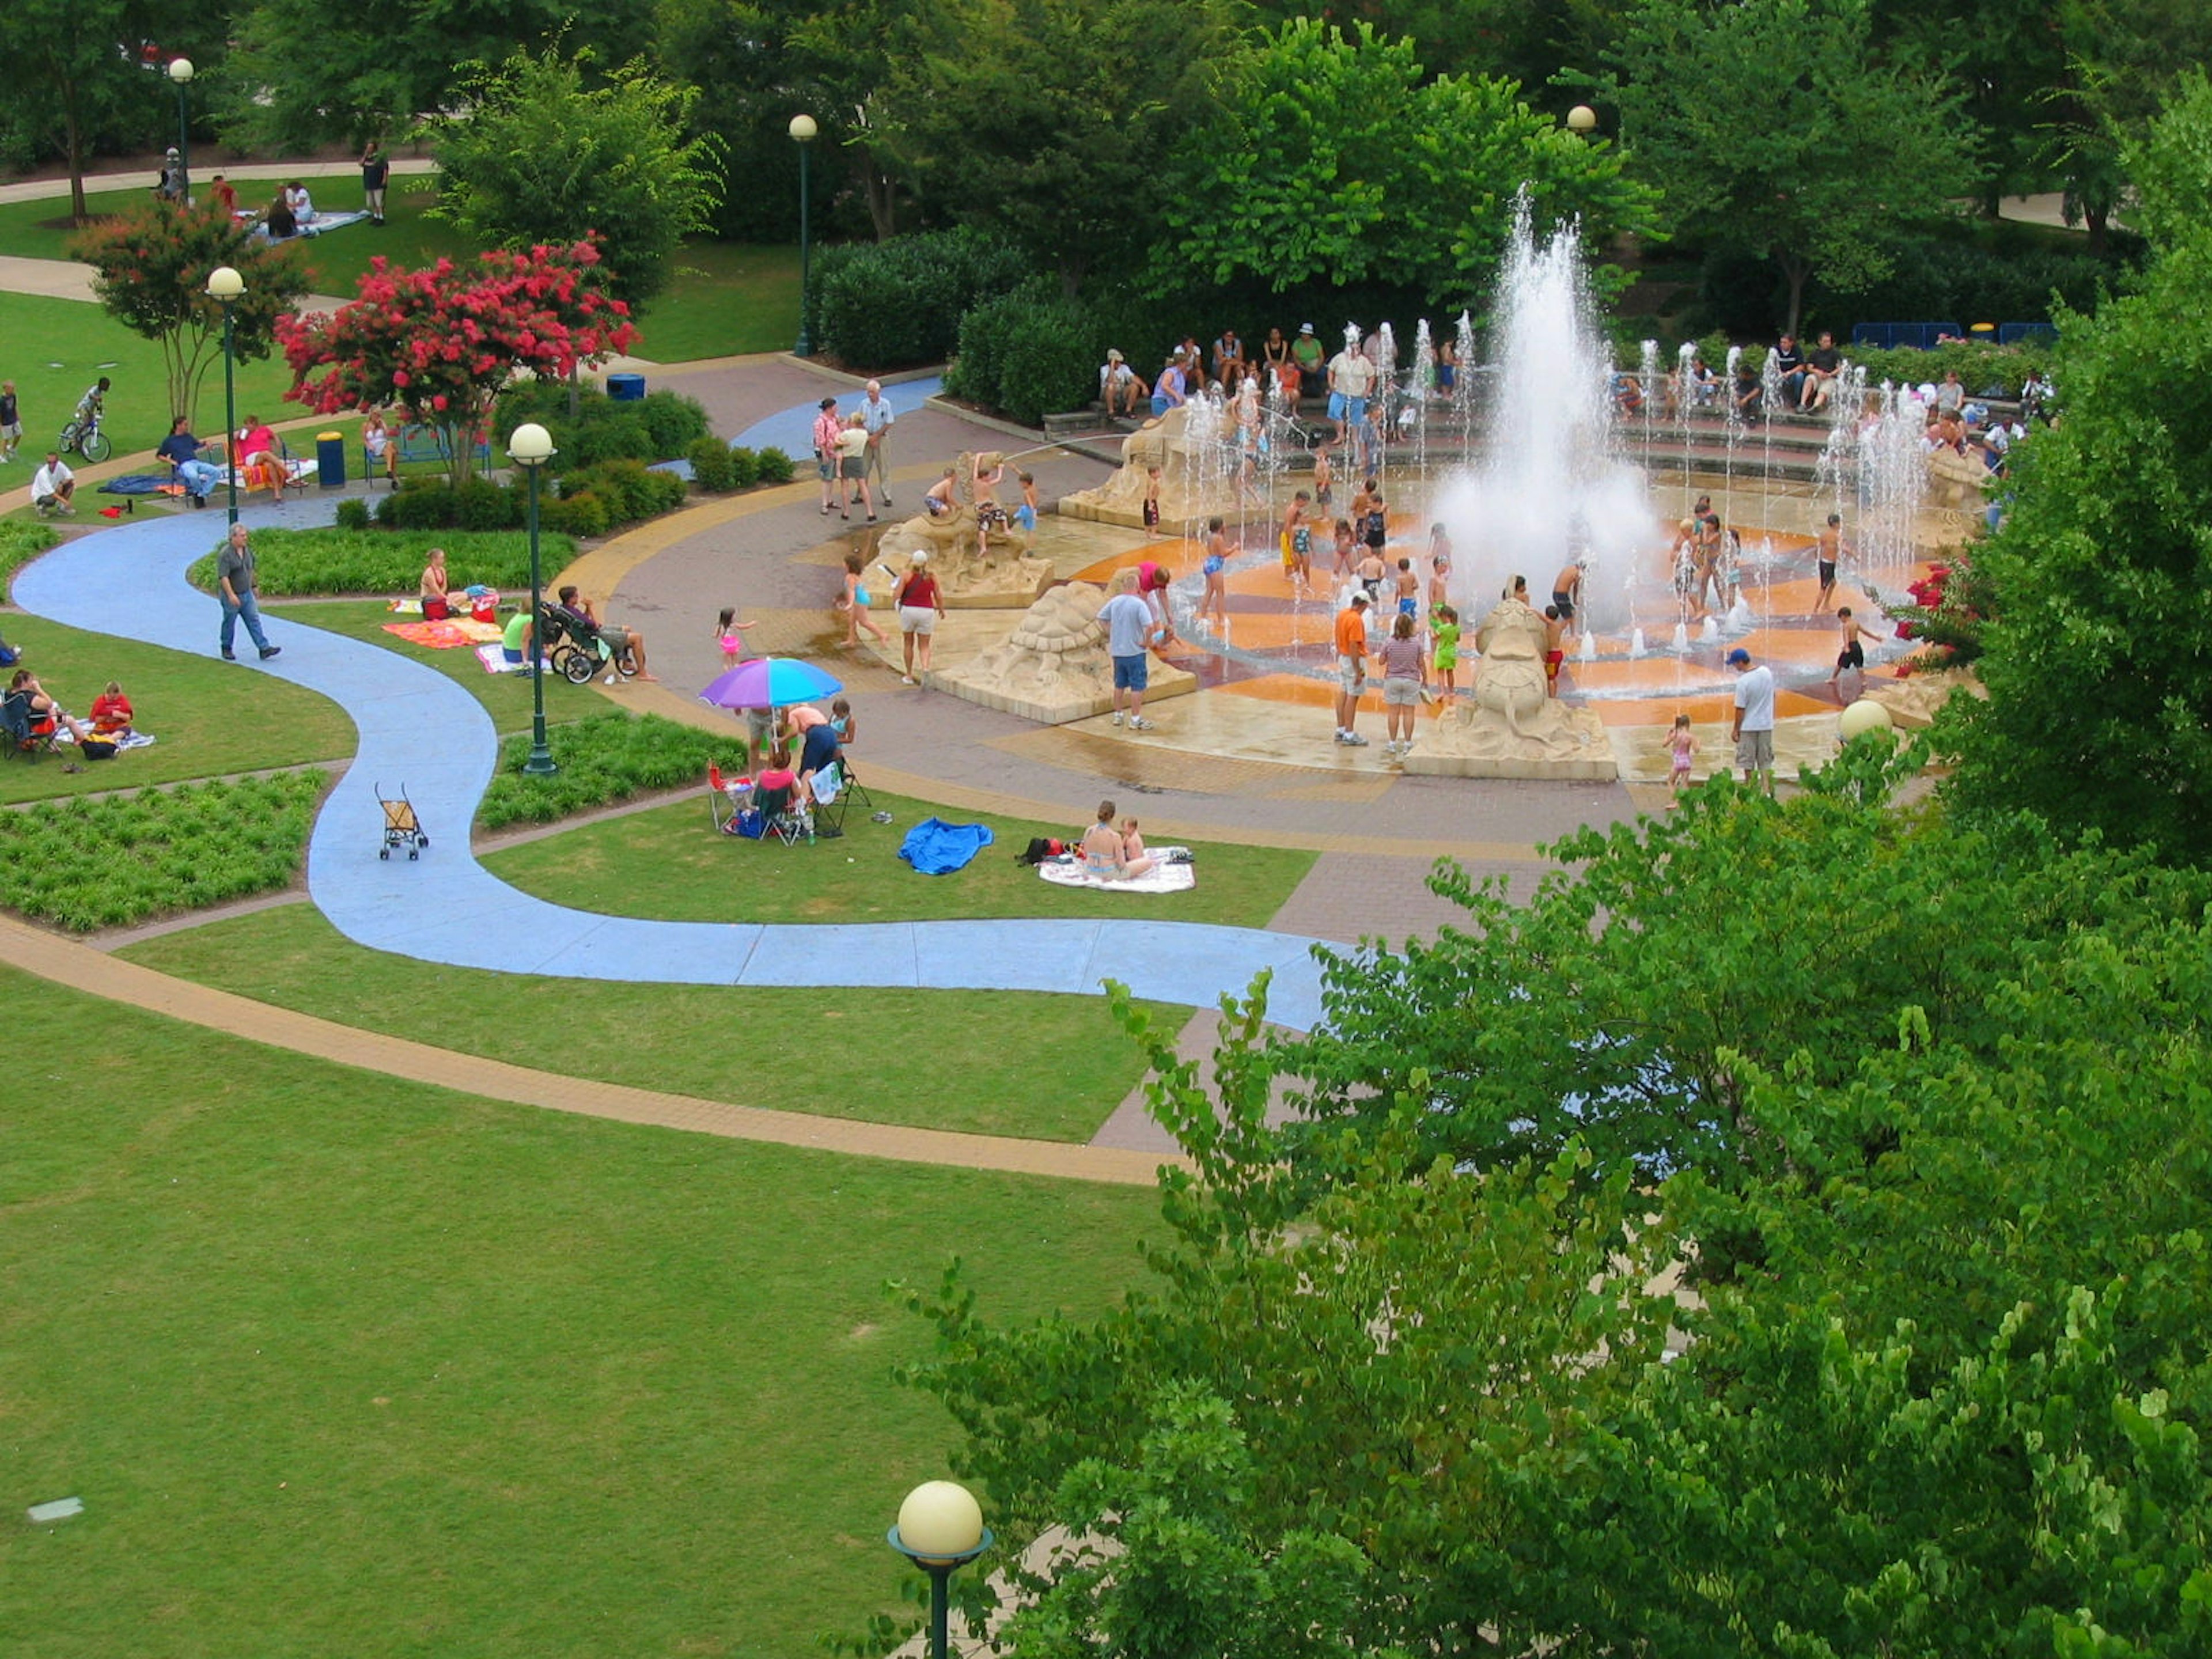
(917, 619)
(1400, 692)
(1352, 675)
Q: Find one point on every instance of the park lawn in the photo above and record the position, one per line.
(667, 864)
(211, 718)
(339, 1364)
(725, 298)
(1026, 1064)
(506, 696)
(59, 347)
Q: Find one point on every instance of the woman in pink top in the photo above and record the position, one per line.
(1403, 672)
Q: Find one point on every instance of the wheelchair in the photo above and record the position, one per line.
(577, 651)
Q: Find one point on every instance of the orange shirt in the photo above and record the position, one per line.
(1350, 632)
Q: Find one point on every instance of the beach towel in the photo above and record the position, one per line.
(937, 848)
(141, 484)
(494, 658)
(1162, 878)
(444, 635)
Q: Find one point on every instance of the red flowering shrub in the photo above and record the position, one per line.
(1949, 607)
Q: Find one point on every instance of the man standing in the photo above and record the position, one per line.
(1128, 621)
(233, 579)
(826, 427)
(1350, 378)
(1350, 667)
(375, 172)
(1753, 728)
(52, 485)
(876, 418)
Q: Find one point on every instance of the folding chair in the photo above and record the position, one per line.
(854, 790)
(787, 821)
(828, 787)
(719, 806)
(19, 731)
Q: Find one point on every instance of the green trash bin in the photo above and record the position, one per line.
(329, 459)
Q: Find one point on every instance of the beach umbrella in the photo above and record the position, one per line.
(769, 683)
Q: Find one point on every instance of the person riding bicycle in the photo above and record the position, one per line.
(87, 418)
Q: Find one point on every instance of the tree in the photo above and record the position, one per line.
(441, 343)
(309, 72)
(1048, 119)
(2122, 60)
(542, 158)
(2098, 653)
(1329, 156)
(1777, 127)
(150, 268)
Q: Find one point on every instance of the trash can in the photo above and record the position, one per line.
(1983, 333)
(626, 388)
(329, 459)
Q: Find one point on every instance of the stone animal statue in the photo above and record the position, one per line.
(1509, 680)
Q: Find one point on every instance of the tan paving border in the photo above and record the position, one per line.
(83, 969)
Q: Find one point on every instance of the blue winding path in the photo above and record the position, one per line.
(421, 730)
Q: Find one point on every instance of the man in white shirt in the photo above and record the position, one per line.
(1130, 629)
(1753, 728)
(1120, 388)
(876, 418)
(52, 485)
(1350, 378)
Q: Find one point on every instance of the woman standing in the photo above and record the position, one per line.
(920, 605)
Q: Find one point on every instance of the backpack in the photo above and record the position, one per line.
(1040, 849)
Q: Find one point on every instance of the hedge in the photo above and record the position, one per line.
(897, 304)
(658, 426)
(605, 759)
(1987, 371)
(298, 564)
(108, 863)
(19, 543)
(1028, 353)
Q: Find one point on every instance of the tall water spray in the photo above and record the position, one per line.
(1550, 488)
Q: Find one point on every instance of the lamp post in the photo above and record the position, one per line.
(1582, 120)
(941, 1529)
(226, 288)
(802, 131)
(180, 72)
(530, 447)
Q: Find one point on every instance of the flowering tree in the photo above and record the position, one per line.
(151, 269)
(441, 343)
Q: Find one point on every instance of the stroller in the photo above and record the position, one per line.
(401, 827)
(577, 650)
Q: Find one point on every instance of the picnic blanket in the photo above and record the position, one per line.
(122, 740)
(494, 659)
(1163, 877)
(445, 635)
(937, 848)
(141, 484)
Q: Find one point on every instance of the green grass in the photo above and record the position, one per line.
(19, 543)
(666, 863)
(210, 718)
(725, 298)
(112, 863)
(343, 1364)
(59, 347)
(938, 1059)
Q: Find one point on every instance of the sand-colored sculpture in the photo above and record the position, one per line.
(989, 571)
(1054, 666)
(1190, 489)
(1914, 701)
(1956, 485)
(1508, 727)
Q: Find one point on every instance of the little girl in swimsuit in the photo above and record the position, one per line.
(729, 635)
(1681, 745)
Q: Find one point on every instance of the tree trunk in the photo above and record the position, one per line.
(1793, 272)
(880, 192)
(2097, 220)
(73, 141)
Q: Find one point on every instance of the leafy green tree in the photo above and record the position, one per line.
(1330, 157)
(2096, 654)
(2122, 60)
(150, 268)
(1778, 128)
(1048, 119)
(542, 158)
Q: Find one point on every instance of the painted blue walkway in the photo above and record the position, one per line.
(421, 730)
(791, 430)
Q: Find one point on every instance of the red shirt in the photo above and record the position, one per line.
(920, 589)
(111, 712)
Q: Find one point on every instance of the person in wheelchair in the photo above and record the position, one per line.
(578, 609)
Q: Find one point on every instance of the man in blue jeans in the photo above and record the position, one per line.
(234, 581)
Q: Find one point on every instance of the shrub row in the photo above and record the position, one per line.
(1029, 353)
(90, 863)
(896, 304)
(716, 468)
(658, 426)
(300, 563)
(605, 759)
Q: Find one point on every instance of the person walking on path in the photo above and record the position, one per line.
(852, 603)
(1350, 667)
(876, 418)
(920, 605)
(375, 171)
(826, 427)
(1129, 625)
(1753, 728)
(11, 422)
(233, 578)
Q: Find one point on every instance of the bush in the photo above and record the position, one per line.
(620, 436)
(19, 543)
(672, 422)
(897, 304)
(771, 466)
(630, 489)
(605, 759)
(481, 505)
(584, 515)
(658, 426)
(745, 469)
(1029, 353)
(290, 563)
(710, 465)
(352, 513)
(419, 504)
(88, 864)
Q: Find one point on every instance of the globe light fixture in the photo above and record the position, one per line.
(940, 1528)
(802, 134)
(1581, 119)
(529, 447)
(226, 287)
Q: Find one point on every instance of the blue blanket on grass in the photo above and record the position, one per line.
(937, 848)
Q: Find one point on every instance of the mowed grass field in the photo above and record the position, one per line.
(340, 1364)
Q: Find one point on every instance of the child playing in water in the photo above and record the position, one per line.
(1680, 746)
(1214, 602)
(729, 635)
(853, 603)
(1371, 572)
(1294, 515)
(1324, 478)
(1025, 515)
(1409, 589)
(1345, 545)
(1443, 637)
(1152, 498)
(1440, 552)
(1853, 655)
(1555, 648)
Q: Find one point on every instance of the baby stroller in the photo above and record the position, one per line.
(577, 650)
(401, 827)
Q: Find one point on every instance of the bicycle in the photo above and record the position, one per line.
(85, 438)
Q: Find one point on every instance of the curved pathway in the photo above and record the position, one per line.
(421, 731)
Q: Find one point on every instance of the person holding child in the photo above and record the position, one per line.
(1106, 856)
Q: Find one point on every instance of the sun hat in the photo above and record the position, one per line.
(921, 556)
(1360, 596)
(1305, 328)
(1113, 357)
